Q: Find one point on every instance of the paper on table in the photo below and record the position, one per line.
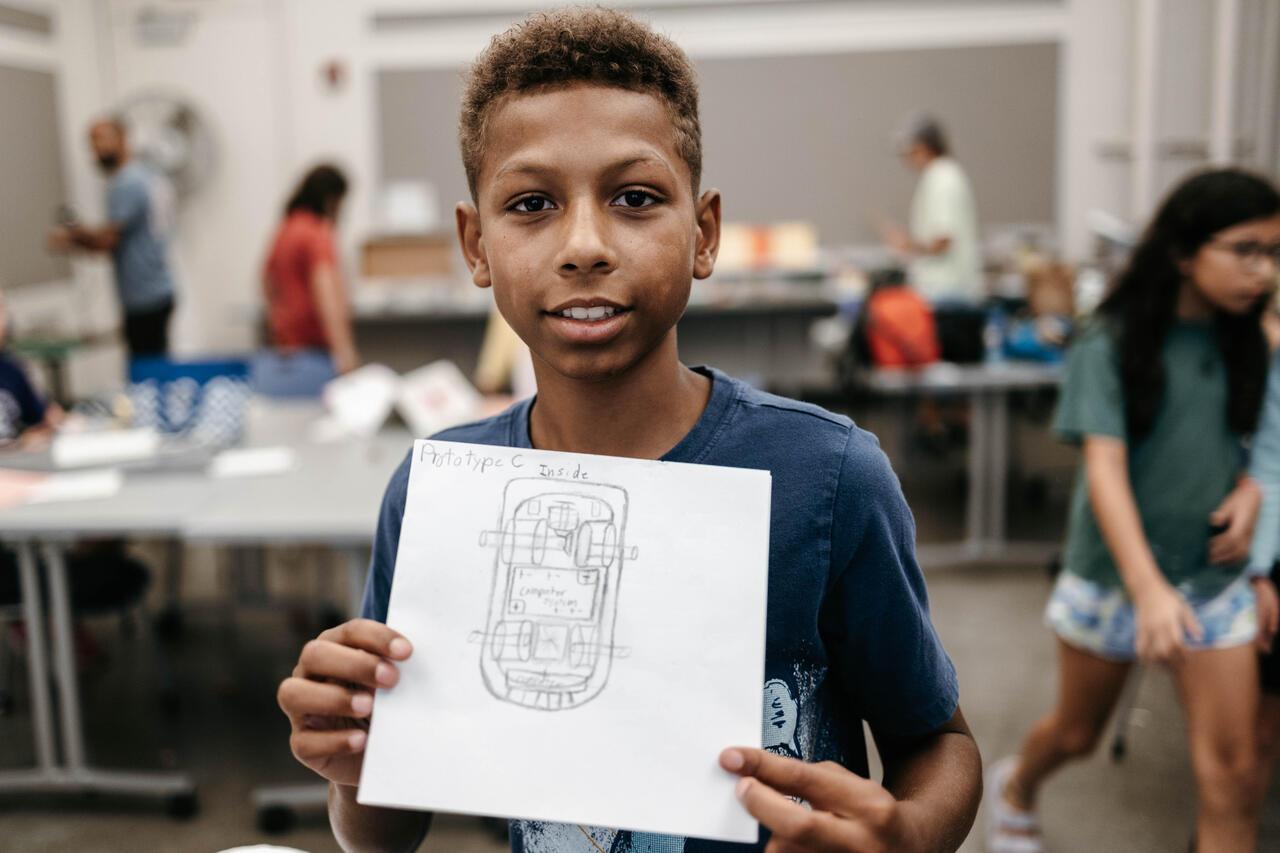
(362, 399)
(588, 634)
(77, 486)
(253, 462)
(80, 449)
(436, 397)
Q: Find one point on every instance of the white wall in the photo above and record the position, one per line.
(85, 304)
(1107, 144)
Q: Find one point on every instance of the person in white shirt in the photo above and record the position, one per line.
(941, 242)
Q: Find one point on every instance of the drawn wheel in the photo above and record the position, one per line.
(524, 540)
(583, 648)
(597, 545)
(512, 641)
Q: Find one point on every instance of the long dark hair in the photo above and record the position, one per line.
(318, 192)
(1142, 305)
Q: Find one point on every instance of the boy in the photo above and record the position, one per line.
(582, 148)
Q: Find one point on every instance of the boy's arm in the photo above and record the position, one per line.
(372, 828)
(937, 780)
(932, 785)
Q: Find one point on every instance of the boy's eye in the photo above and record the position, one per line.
(635, 198)
(532, 204)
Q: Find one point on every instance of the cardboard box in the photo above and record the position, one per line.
(408, 256)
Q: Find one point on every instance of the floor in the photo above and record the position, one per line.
(230, 736)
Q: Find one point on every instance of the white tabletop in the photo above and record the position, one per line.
(331, 496)
(947, 376)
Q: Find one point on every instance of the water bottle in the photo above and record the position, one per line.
(993, 336)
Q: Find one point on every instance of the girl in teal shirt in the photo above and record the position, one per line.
(1160, 392)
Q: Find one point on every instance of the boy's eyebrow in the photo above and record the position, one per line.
(532, 167)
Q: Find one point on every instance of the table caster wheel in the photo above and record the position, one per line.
(274, 820)
(182, 806)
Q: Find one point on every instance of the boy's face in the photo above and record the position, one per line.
(585, 208)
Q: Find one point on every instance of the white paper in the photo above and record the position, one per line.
(253, 462)
(79, 449)
(436, 397)
(588, 634)
(77, 486)
(362, 399)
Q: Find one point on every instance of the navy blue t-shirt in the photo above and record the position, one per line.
(848, 630)
(20, 406)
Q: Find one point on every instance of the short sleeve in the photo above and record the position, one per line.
(31, 407)
(320, 246)
(1092, 397)
(875, 621)
(1264, 466)
(386, 542)
(127, 204)
(943, 203)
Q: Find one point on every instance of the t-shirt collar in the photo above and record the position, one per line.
(696, 442)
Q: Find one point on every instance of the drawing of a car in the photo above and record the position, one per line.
(548, 643)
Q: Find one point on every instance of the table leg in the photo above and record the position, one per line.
(278, 806)
(64, 659)
(73, 775)
(998, 472)
(979, 466)
(357, 569)
(38, 665)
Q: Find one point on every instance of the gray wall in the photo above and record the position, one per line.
(31, 181)
(809, 137)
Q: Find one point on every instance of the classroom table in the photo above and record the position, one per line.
(148, 504)
(988, 386)
(330, 497)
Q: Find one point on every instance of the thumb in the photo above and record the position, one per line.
(1190, 623)
(1219, 515)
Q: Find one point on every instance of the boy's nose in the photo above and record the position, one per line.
(586, 246)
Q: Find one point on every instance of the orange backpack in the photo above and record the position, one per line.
(900, 331)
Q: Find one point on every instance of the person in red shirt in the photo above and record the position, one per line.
(307, 305)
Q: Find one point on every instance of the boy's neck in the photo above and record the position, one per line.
(642, 413)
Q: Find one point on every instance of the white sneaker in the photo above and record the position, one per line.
(1008, 830)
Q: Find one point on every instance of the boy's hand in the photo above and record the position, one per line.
(848, 813)
(329, 697)
(1268, 612)
(1237, 514)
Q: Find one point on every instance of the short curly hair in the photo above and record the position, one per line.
(561, 47)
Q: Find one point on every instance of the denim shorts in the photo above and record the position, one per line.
(1100, 620)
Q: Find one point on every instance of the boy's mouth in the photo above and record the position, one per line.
(586, 321)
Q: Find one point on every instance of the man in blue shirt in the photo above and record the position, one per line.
(140, 216)
(582, 147)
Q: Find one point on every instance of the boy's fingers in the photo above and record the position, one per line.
(373, 637)
(309, 746)
(824, 786)
(323, 658)
(777, 845)
(793, 824)
(299, 697)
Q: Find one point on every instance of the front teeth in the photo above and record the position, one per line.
(598, 312)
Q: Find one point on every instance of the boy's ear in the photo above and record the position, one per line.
(472, 243)
(707, 216)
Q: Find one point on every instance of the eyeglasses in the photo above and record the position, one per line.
(1251, 252)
